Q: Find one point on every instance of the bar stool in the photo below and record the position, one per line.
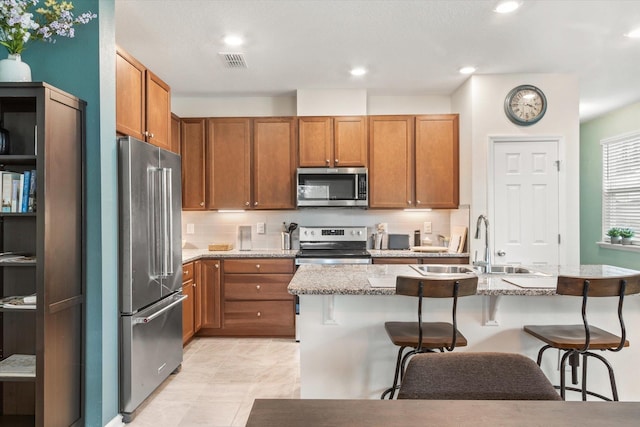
(576, 340)
(421, 337)
(475, 376)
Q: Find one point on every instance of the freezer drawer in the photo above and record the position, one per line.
(151, 349)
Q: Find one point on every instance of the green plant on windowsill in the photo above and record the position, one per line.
(614, 235)
(626, 234)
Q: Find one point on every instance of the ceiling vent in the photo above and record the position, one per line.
(233, 60)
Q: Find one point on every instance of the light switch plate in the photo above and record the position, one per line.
(190, 229)
(427, 227)
(260, 228)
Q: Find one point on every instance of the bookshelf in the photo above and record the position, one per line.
(42, 344)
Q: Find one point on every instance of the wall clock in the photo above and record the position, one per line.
(525, 105)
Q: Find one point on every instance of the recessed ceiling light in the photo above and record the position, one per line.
(467, 70)
(634, 34)
(358, 71)
(233, 41)
(507, 6)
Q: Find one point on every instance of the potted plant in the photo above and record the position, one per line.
(614, 234)
(626, 234)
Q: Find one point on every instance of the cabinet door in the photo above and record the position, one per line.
(175, 133)
(437, 161)
(130, 96)
(158, 114)
(274, 163)
(198, 298)
(228, 163)
(211, 293)
(188, 311)
(315, 141)
(193, 163)
(350, 141)
(391, 161)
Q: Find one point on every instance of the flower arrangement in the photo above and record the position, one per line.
(20, 23)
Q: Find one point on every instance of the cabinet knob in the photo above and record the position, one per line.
(255, 203)
(246, 203)
(258, 287)
(194, 284)
(201, 203)
(327, 161)
(151, 135)
(408, 202)
(258, 266)
(217, 265)
(258, 314)
(337, 161)
(418, 202)
(184, 272)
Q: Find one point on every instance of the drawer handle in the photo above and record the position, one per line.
(259, 314)
(258, 287)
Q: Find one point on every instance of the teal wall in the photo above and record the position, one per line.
(85, 67)
(618, 122)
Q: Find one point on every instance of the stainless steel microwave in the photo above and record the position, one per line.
(332, 187)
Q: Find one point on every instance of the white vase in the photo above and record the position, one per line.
(13, 69)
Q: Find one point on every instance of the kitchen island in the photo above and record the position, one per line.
(346, 354)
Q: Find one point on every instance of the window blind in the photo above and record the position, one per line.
(621, 182)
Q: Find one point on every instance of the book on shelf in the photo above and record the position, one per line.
(18, 191)
(16, 257)
(18, 365)
(27, 302)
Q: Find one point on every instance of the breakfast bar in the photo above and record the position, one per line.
(345, 353)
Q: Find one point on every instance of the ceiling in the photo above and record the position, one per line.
(409, 47)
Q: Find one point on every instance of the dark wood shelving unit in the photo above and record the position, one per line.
(46, 128)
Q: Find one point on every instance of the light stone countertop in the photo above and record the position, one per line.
(354, 279)
(189, 255)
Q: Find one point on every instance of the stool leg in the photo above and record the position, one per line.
(584, 377)
(391, 391)
(612, 378)
(540, 354)
(563, 363)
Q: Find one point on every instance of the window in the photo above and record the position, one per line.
(621, 182)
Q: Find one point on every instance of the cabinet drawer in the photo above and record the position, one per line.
(257, 286)
(447, 260)
(393, 260)
(258, 265)
(260, 316)
(187, 272)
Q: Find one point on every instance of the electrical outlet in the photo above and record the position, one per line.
(427, 227)
(260, 228)
(190, 229)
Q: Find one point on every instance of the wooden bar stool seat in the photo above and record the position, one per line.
(420, 337)
(578, 340)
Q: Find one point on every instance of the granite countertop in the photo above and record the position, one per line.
(354, 279)
(189, 255)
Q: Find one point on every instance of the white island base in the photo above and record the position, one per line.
(345, 352)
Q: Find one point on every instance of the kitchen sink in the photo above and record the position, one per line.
(443, 269)
(507, 269)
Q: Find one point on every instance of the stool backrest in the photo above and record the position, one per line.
(600, 287)
(437, 288)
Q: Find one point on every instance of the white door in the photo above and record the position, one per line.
(525, 202)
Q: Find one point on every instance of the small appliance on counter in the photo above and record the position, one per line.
(244, 237)
(398, 241)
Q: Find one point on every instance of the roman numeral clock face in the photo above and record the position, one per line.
(525, 105)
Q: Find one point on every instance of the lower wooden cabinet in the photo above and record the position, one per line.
(188, 305)
(428, 260)
(201, 310)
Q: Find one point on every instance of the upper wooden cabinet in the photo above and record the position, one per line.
(332, 141)
(274, 163)
(143, 102)
(192, 135)
(175, 133)
(437, 161)
(391, 146)
(414, 161)
(228, 173)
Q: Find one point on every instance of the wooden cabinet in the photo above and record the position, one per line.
(189, 304)
(437, 161)
(228, 170)
(332, 141)
(175, 133)
(255, 298)
(192, 139)
(47, 338)
(391, 168)
(394, 260)
(414, 161)
(274, 163)
(422, 260)
(210, 303)
(143, 102)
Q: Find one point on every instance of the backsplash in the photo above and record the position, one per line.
(216, 227)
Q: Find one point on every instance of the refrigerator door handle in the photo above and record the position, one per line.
(167, 221)
(147, 319)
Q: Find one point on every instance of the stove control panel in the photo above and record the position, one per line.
(333, 234)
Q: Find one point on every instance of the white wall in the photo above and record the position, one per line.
(429, 104)
(313, 102)
(234, 106)
(462, 103)
(561, 120)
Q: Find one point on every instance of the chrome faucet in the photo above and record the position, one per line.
(486, 263)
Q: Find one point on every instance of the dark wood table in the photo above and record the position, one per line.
(353, 413)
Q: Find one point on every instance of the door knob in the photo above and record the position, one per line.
(501, 252)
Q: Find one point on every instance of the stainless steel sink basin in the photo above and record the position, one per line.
(507, 269)
(443, 269)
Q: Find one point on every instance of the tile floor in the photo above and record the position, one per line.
(219, 380)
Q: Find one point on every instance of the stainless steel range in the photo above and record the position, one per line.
(333, 245)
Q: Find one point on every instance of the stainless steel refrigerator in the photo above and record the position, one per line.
(150, 270)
